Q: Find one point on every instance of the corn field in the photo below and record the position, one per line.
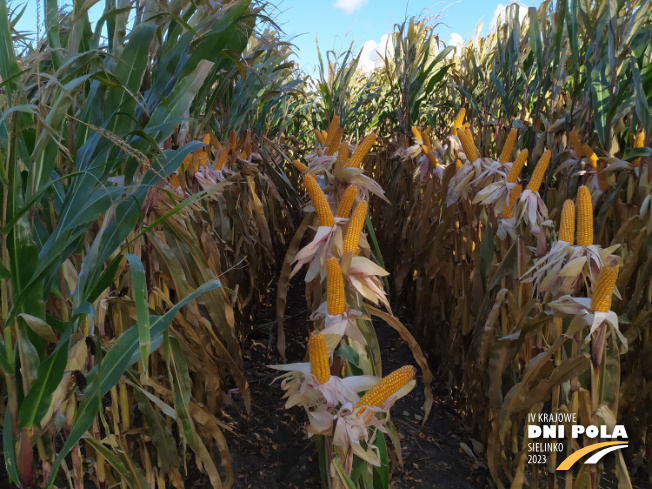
(176, 192)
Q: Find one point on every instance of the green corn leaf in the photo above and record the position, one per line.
(116, 361)
(37, 400)
(142, 307)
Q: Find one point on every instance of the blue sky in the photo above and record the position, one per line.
(337, 23)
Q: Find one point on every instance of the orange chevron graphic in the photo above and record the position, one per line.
(570, 461)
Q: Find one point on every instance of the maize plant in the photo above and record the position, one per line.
(120, 208)
(343, 288)
(539, 210)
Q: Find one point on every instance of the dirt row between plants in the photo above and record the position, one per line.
(271, 449)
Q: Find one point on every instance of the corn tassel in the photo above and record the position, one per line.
(332, 128)
(567, 226)
(575, 143)
(539, 172)
(319, 202)
(601, 297)
(299, 166)
(334, 287)
(335, 141)
(459, 120)
(584, 217)
(506, 154)
(517, 166)
(361, 151)
(468, 145)
(320, 138)
(378, 394)
(514, 194)
(354, 228)
(346, 204)
(431, 156)
(318, 354)
(638, 143)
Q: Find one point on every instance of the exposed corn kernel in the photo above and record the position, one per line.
(335, 299)
(318, 355)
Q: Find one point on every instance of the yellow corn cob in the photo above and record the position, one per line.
(221, 159)
(638, 143)
(584, 217)
(458, 165)
(575, 142)
(320, 138)
(334, 287)
(514, 194)
(343, 153)
(508, 147)
(354, 228)
(567, 226)
(416, 133)
(590, 154)
(346, 204)
(431, 156)
(233, 140)
(468, 145)
(207, 139)
(387, 386)
(459, 120)
(426, 137)
(214, 142)
(200, 158)
(335, 141)
(318, 354)
(186, 161)
(324, 134)
(299, 166)
(601, 297)
(539, 172)
(332, 127)
(174, 181)
(319, 202)
(362, 150)
(517, 166)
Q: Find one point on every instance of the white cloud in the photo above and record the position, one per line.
(500, 11)
(349, 6)
(457, 42)
(372, 53)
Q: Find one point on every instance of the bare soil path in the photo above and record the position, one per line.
(271, 449)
